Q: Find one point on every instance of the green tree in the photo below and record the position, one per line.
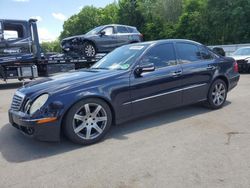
(53, 46)
(229, 21)
(191, 21)
(206, 21)
(168, 10)
(109, 14)
(129, 13)
(88, 18)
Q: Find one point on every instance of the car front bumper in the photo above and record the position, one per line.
(49, 131)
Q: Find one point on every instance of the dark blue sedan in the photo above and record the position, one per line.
(132, 81)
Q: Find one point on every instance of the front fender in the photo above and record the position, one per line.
(78, 97)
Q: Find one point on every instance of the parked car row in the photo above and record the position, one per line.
(131, 81)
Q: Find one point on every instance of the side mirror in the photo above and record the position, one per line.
(144, 68)
(219, 51)
(102, 33)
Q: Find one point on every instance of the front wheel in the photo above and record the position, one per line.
(88, 49)
(88, 121)
(217, 94)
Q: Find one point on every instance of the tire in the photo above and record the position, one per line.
(88, 121)
(217, 94)
(88, 49)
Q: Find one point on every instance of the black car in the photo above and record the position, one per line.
(102, 39)
(133, 80)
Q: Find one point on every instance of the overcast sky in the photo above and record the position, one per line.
(50, 13)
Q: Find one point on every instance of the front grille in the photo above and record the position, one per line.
(17, 101)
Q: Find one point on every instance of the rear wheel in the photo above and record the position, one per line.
(217, 94)
(88, 121)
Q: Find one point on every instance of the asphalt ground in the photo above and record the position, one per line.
(186, 147)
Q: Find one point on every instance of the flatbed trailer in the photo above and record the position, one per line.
(64, 63)
(16, 68)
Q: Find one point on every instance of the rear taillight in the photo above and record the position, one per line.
(236, 67)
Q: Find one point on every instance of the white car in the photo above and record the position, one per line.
(242, 56)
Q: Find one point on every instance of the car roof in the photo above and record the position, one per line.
(168, 40)
(246, 47)
(12, 20)
(119, 25)
(18, 21)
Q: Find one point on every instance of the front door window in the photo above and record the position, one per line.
(108, 30)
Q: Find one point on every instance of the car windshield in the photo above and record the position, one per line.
(242, 51)
(121, 58)
(94, 31)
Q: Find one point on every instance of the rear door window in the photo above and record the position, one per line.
(132, 30)
(121, 29)
(188, 53)
(205, 53)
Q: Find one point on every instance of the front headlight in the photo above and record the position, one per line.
(38, 103)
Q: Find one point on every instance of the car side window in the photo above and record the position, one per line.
(205, 54)
(108, 30)
(188, 53)
(131, 30)
(121, 29)
(162, 55)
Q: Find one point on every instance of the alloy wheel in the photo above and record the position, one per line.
(219, 94)
(89, 50)
(90, 121)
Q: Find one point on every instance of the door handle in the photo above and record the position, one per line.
(177, 73)
(210, 67)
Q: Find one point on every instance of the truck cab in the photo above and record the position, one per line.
(21, 54)
(19, 47)
(18, 37)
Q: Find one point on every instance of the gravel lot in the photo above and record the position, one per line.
(186, 147)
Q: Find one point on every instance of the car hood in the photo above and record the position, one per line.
(67, 81)
(77, 36)
(239, 57)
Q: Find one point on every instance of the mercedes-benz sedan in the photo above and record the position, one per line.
(132, 81)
